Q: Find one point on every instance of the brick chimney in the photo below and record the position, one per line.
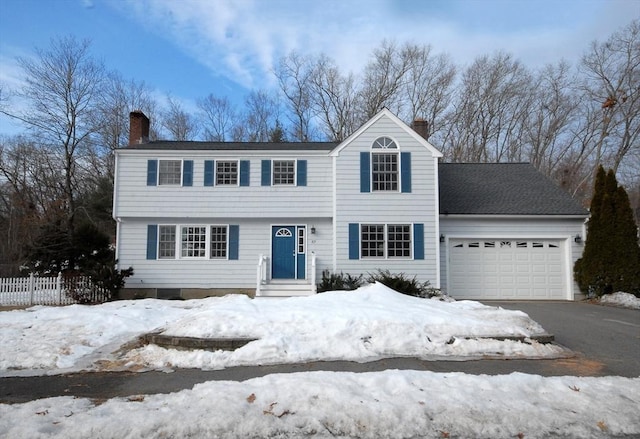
(138, 128)
(421, 127)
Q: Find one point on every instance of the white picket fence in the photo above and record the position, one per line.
(37, 290)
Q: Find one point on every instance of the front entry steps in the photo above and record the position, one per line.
(191, 343)
(286, 288)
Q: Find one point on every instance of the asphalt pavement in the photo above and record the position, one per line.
(606, 341)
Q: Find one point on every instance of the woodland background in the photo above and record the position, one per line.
(56, 178)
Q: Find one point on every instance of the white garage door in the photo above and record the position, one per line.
(506, 269)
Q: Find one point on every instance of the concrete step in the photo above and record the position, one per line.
(190, 343)
(286, 289)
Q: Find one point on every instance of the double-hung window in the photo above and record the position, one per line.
(284, 172)
(218, 242)
(384, 165)
(385, 240)
(170, 172)
(167, 242)
(227, 172)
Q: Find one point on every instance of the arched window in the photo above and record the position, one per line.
(384, 164)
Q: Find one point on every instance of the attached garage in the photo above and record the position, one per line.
(507, 269)
(507, 233)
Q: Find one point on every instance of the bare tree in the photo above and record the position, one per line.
(118, 99)
(549, 135)
(260, 119)
(334, 99)
(31, 196)
(294, 73)
(489, 112)
(180, 124)
(62, 84)
(384, 77)
(428, 88)
(218, 118)
(612, 82)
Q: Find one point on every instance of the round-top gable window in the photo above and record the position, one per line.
(384, 143)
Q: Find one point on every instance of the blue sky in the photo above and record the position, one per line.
(190, 48)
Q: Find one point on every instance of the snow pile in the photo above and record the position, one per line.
(624, 300)
(371, 323)
(368, 324)
(399, 404)
(49, 338)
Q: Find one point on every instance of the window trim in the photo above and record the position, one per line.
(295, 172)
(209, 241)
(206, 239)
(217, 173)
(180, 178)
(175, 240)
(385, 232)
(178, 243)
(388, 148)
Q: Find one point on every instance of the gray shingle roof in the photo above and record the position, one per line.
(501, 189)
(165, 145)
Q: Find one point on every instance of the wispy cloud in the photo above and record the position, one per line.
(243, 39)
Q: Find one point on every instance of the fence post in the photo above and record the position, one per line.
(32, 287)
(59, 287)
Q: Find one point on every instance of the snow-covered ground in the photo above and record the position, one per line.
(389, 404)
(370, 323)
(624, 300)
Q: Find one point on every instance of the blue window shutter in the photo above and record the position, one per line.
(354, 241)
(405, 171)
(302, 173)
(152, 241)
(244, 172)
(266, 173)
(234, 242)
(187, 173)
(418, 241)
(365, 172)
(209, 172)
(152, 172)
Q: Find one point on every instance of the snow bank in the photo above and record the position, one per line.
(399, 404)
(625, 300)
(368, 324)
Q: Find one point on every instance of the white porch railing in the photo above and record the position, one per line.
(263, 287)
(261, 273)
(314, 287)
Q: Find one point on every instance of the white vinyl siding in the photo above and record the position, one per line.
(134, 199)
(387, 207)
(255, 239)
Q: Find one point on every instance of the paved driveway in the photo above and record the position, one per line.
(607, 338)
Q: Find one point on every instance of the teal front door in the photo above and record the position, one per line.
(283, 252)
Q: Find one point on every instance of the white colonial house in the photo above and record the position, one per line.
(197, 219)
